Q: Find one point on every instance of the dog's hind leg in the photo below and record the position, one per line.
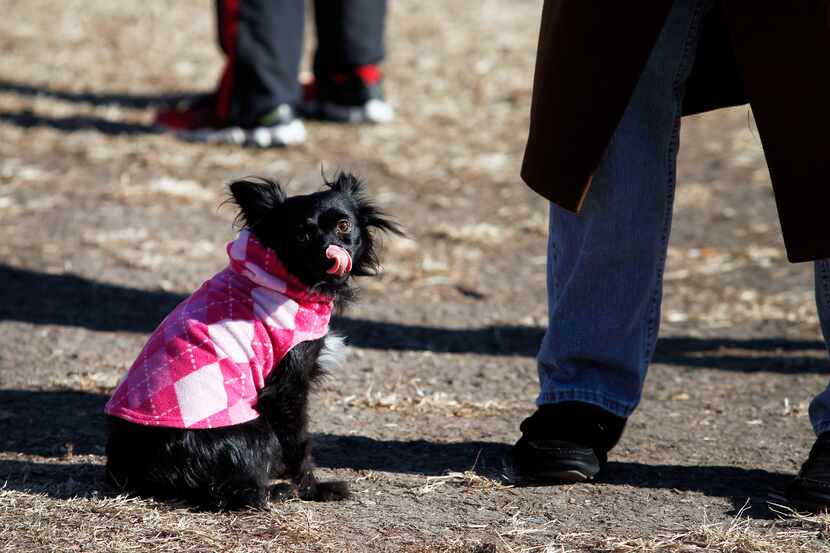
(245, 491)
(236, 462)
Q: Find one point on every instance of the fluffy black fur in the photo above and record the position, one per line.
(230, 468)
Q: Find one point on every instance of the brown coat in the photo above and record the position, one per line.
(773, 53)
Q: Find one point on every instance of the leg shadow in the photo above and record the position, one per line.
(409, 457)
(752, 487)
(52, 423)
(55, 479)
(121, 99)
(778, 355)
(755, 488)
(65, 427)
(72, 300)
(27, 119)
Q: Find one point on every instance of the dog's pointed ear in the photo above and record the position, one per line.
(256, 198)
(369, 214)
(346, 183)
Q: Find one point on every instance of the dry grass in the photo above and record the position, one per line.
(412, 397)
(32, 522)
(467, 479)
(792, 532)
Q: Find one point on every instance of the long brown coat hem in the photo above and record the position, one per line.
(775, 54)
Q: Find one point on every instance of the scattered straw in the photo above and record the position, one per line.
(466, 479)
(438, 402)
(793, 532)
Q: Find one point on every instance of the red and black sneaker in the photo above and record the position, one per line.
(195, 113)
(199, 121)
(354, 96)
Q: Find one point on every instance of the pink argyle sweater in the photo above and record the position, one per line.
(205, 363)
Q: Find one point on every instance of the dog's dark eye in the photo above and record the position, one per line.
(344, 226)
(302, 236)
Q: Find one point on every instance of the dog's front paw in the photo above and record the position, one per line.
(326, 491)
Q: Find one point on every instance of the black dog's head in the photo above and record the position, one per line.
(302, 228)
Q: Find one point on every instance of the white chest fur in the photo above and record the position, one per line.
(333, 354)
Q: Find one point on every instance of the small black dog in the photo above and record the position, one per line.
(217, 465)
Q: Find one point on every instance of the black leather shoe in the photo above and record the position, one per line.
(566, 442)
(810, 490)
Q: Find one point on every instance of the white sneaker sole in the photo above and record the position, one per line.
(373, 111)
(291, 134)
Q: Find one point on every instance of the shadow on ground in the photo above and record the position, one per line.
(752, 488)
(120, 99)
(749, 490)
(60, 480)
(410, 456)
(52, 423)
(63, 428)
(27, 118)
(491, 459)
(71, 300)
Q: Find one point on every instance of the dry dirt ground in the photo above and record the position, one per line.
(106, 224)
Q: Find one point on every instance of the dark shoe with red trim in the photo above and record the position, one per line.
(198, 121)
(810, 490)
(565, 442)
(194, 113)
(354, 96)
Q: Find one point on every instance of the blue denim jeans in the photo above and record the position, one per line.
(820, 406)
(605, 266)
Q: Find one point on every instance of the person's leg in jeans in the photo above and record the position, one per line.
(350, 49)
(605, 269)
(820, 406)
(811, 489)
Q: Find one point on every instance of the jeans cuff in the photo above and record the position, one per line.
(614, 406)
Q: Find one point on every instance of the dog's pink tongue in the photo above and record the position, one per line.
(342, 260)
